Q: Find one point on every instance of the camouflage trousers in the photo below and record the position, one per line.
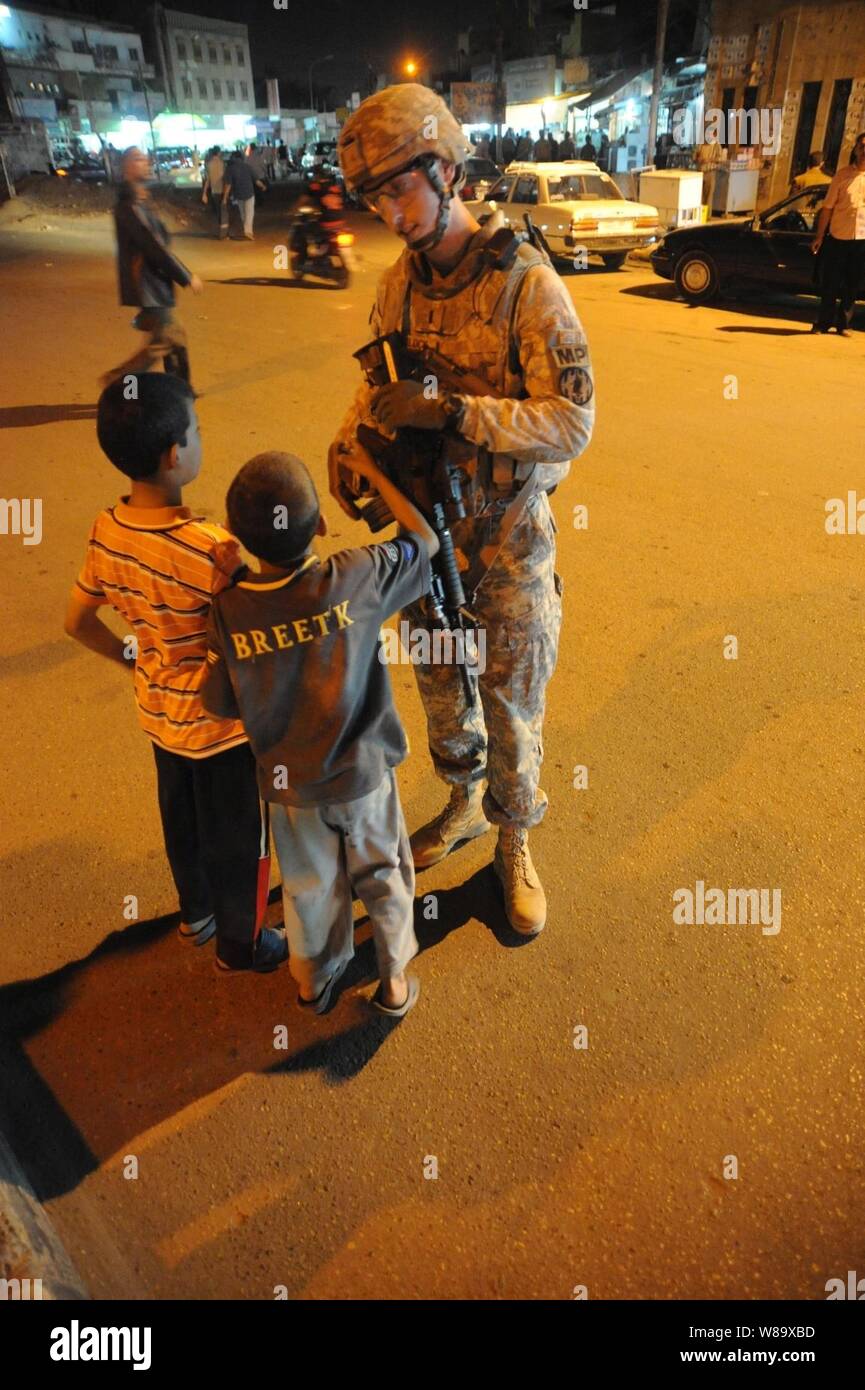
(518, 608)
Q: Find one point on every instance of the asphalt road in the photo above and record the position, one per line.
(557, 1166)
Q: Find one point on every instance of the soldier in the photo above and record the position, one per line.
(488, 301)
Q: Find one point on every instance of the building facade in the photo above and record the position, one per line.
(83, 78)
(805, 60)
(205, 63)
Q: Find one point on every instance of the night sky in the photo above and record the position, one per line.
(382, 33)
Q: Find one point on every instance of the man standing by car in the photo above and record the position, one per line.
(147, 272)
(840, 237)
(491, 304)
(813, 176)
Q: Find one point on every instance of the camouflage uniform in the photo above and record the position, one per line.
(483, 318)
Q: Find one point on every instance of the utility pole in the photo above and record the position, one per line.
(500, 102)
(657, 78)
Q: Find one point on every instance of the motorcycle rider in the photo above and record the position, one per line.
(490, 302)
(323, 190)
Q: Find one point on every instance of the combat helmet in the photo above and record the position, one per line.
(403, 127)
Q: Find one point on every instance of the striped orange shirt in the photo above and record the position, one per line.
(160, 568)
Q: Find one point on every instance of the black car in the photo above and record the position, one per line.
(771, 250)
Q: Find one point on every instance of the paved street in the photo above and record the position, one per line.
(557, 1166)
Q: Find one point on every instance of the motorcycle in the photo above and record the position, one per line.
(320, 250)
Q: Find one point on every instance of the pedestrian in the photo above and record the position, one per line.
(543, 149)
(588, 150)
(212, 192)
(240, 185)
(524, 146)
(840, 243)
(294, 652)
(554, 149)
(567, 149)
(159, 566)
(256, 162)
(282, 153)
(509, 147)
(476, 295)
(814, 176)
(147, 273)
(270, 162)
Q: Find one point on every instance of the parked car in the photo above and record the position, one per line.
(771, 250)
(575, 204)
(168, 157)
(84, 168)
(481, 175)
(322, 151)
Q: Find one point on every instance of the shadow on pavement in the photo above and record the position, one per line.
(16, 417)
(800, 309)
(111, 1046)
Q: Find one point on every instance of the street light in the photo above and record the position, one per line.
(328, 59)
(410, 68)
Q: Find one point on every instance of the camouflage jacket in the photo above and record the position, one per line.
(515, 327)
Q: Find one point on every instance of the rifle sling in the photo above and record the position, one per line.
(488, 555)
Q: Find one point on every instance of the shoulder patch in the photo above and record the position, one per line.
(569, 353)
(391, 551)
(575, 384)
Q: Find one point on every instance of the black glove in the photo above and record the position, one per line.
(403, 403)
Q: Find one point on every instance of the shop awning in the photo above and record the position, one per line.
(606, 91)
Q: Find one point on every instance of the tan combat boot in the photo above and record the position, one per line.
(461, 819)
(525, 902)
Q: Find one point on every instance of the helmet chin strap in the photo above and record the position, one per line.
(445, 196)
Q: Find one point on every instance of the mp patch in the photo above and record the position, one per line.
(575, 384)
(569, 355)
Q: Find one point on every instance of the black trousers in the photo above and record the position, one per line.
(215, 832)
(842, 266)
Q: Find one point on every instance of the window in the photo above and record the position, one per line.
(805, 131)
(581, 188)
(217, 88)
(526, 190)
(502, 190)
(837, 118)
(239, 52)
(181, 48)
(202, 87)
(800, 215)
(187, 87)
(196, 52)
(243, 91)
(230, 86)
(211, 54)
(226, 55)
(133, 54)
(79, 46)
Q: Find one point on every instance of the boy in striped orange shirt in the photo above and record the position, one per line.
(160, 566)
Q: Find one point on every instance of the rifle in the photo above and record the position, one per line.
(431, 467)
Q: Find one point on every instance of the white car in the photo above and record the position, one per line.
(575, 204)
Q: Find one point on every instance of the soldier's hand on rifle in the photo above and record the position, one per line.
(340, 460)
(403, 403)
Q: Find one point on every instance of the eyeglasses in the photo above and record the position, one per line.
(397, 190)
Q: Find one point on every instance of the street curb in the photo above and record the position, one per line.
(30, 1248)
